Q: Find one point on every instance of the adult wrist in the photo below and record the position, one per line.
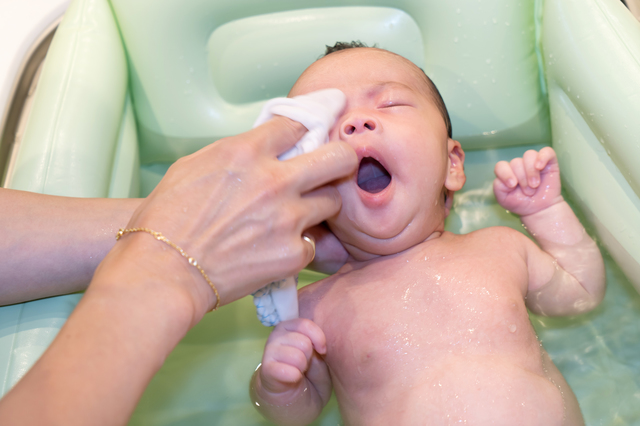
(158, 277)
(191, 260)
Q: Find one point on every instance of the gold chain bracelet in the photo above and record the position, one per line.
(158, 236)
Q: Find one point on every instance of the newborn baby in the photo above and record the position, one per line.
(423, 326)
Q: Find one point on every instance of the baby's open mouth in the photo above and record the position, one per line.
(372, 176)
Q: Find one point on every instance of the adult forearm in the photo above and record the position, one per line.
(133, 314)
(224, 206)
(52, 245)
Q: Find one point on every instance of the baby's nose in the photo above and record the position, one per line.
(357, 125)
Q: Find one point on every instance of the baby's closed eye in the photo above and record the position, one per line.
(393, 104)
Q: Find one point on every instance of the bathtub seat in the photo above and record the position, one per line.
(130, 86)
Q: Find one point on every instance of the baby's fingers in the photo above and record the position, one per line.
(278, 377)
(546, 156)
(286, 364)
(505, 174)
(308, 329)
(518, 167)
(529, 160)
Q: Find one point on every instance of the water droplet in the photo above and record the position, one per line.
(507, 23)
(488, 61)
(455, 39)
(513, 328)
(495, 20)
(458, 10)
(551, 55)
(468, 105)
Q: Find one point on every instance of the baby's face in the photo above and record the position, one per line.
(396, 199)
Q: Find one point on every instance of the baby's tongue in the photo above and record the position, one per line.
(372, 176)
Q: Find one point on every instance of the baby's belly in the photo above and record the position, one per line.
(459, 390)
(441, 366)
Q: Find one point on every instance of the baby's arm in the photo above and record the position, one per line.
(292, 384)
(567, 276)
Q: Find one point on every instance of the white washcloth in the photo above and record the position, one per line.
(317, 111)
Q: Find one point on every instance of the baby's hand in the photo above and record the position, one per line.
(288, 354)
(529, 184)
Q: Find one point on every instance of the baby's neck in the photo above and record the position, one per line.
(359, 255)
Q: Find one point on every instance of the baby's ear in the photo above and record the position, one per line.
(455, 168)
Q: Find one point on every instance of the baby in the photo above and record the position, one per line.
(422, 326)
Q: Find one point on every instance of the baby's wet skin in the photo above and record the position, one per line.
(423, 326)
(439, 334)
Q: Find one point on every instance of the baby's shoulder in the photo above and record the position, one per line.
(500, 236)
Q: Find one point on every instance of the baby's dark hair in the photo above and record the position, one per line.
(437, 98)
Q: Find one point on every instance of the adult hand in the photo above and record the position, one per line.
(330, 253)
(233, 207)
(240, 211)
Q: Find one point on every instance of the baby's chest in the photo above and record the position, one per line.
(422, 312)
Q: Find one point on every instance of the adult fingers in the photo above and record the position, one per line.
(330, 253)
(276, 135)
(326, 164)
(319, 205)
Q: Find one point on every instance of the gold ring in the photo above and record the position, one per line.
(313, 245)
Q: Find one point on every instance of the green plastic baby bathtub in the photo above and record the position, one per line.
(130, 86)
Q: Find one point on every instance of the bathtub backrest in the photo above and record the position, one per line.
(201, 69)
